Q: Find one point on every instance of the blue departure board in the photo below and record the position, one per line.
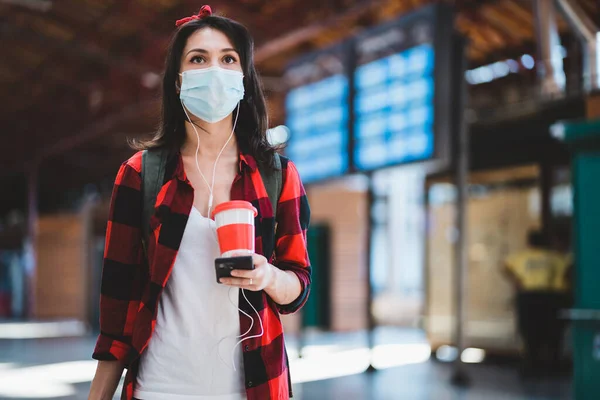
(380, 99)
(317, 115)
(394, 109)
(395, 92)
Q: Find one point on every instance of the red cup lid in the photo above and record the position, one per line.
(234, 204)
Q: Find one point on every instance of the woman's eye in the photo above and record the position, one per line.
(229, 59)
(197, 60)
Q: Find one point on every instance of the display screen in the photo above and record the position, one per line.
(395, 92)
(380, 99)
(317, 116)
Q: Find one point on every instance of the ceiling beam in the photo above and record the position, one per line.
(115, 85)
(360, 8)
(87, 50)
(511, 28)
(99, 128)
(110, 123)
(299, 36)
(35, 5)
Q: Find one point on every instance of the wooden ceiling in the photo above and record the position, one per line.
(77, 77)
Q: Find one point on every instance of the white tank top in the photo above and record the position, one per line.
(189, 356)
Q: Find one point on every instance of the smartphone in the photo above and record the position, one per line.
(224, 266)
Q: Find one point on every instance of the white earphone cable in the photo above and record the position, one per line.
(262, 330)
(210, 186)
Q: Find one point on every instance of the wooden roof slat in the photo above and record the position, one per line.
(50, 28)
(496, 39)
(477, 38)
(71, 44)
(85, 11)
(475, 54)
(519, 12)
(391, 10)
(156, 5)
(29, 55)
(274, 8)
(499, 19)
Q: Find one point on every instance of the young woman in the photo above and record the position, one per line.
(179, 333)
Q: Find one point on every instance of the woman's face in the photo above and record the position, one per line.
(207, 48)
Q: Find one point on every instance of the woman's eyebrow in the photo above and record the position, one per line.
(197, 51)
(203, 51)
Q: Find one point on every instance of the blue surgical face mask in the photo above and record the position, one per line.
(211, 94)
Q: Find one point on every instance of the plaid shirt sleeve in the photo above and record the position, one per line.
(120, 291)
(293, 216)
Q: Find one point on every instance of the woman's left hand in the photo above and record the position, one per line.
(261, 277)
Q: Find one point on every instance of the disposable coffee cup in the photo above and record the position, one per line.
(235, 227)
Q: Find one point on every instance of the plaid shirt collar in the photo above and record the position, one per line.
(246, 160)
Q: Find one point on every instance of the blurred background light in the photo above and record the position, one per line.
(38, 330)
(472, 355)
(278, 135)
(446, 353)
(527, 61)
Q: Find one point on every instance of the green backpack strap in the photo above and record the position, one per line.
(272, 179)
(153, 174)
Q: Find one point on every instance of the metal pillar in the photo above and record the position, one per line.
(551, 73)
(546, 182)
(461, 167)
(587, 31)
(370, 317)
(31, 242)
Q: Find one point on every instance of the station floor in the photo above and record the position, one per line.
(332, 367)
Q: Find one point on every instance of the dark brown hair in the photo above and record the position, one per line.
(252, 125)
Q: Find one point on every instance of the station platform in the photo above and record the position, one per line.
(331, 368)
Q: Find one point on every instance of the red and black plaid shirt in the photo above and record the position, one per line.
(132, 286)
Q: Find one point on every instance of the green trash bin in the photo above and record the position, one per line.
(584, 140)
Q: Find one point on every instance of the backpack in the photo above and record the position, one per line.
(154, 162)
